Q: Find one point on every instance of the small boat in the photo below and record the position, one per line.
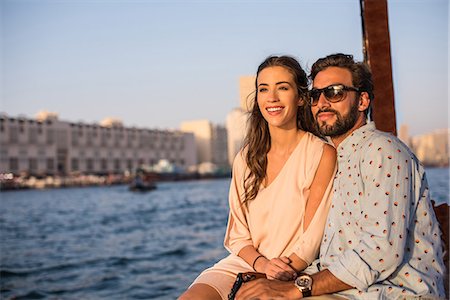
(143, 181)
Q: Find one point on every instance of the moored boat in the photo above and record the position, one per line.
(143, 181)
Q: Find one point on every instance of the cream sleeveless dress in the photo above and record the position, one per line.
(273, 221)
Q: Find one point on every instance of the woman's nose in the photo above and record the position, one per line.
(273, 96)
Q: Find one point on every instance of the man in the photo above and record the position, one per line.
(382, 239)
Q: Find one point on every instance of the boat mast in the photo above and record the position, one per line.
(377, 54)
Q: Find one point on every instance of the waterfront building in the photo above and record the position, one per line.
(432, 149)
(211, 142)
(237, 127)
(236, 121)
(49, 146)
(403, 135)
(246, 92)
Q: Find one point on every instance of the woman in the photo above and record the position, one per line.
(280, 190)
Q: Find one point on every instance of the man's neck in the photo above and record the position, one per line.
(361, 121)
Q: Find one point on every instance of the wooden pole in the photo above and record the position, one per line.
(377, 54)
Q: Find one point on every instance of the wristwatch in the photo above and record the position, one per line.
(304, 284)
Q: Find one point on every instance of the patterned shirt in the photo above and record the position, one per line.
(381, 236)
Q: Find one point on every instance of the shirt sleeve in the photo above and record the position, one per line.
(308, 245)
(388, 173)
(237, 235)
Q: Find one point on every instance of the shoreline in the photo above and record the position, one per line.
(11, 183)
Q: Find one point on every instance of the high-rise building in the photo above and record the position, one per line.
(211, 141)
(236, 122)
(246, 91)
(403, 135)
(48, 146)
(432, 149)
(237, 127)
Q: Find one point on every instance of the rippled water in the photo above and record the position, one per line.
(438, 179)
(109, 243)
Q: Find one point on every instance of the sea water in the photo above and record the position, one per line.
(110, 243)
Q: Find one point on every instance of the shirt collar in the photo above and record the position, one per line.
(347, 146)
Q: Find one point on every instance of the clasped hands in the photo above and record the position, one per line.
(276, 286)
(276, 268)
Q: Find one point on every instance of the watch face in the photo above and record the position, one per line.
(304, 281)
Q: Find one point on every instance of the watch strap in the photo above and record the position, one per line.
(306, 293)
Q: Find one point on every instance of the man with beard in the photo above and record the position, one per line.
(382, 239)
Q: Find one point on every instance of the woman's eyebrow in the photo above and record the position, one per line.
(280, 82)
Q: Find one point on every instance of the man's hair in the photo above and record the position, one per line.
(361, 74)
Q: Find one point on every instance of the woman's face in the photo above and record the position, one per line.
(277, 97)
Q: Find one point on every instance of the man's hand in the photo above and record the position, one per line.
(264, 289)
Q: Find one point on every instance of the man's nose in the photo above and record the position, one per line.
(323, 102)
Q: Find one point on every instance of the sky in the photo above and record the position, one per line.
(156, 64)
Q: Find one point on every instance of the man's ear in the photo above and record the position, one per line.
(301, 101)
(364, 101)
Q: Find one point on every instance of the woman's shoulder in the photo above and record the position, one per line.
(319, 147)
(314, 140)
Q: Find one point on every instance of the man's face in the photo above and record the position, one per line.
(335, 119)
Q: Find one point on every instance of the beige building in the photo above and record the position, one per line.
(246, 91)
(236, 121)
(236, 127)
(432, 149)
(211, 141)
(47, 145)
(403, 135)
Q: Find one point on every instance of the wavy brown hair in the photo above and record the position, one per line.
(257, 141)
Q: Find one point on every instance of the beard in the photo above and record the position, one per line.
(343, 123)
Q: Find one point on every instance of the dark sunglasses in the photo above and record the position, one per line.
(333, 93)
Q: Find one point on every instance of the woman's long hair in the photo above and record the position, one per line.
(257, 141)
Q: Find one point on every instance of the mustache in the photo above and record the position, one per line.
(322, 110)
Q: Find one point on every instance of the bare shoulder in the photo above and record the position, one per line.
(329, 153)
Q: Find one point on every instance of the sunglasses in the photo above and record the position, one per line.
(333, 93)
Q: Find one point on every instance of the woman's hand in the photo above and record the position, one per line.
(279, 268)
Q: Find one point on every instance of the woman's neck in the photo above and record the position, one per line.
(285, 141)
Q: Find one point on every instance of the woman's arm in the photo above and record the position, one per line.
(276, 268)
(324, 175)
(238, 237)
(319, 190)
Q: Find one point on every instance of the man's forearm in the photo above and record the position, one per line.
(325, 282)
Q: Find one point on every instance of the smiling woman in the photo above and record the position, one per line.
(281, 183)
(278, 99)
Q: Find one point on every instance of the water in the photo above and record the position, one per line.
(109, 243)
(438, 179)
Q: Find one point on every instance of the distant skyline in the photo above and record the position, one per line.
(156, 64)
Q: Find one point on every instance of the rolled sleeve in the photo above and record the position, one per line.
(352, 270)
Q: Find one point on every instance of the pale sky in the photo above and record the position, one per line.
(155, 64)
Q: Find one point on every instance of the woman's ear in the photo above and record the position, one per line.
(364, 101)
